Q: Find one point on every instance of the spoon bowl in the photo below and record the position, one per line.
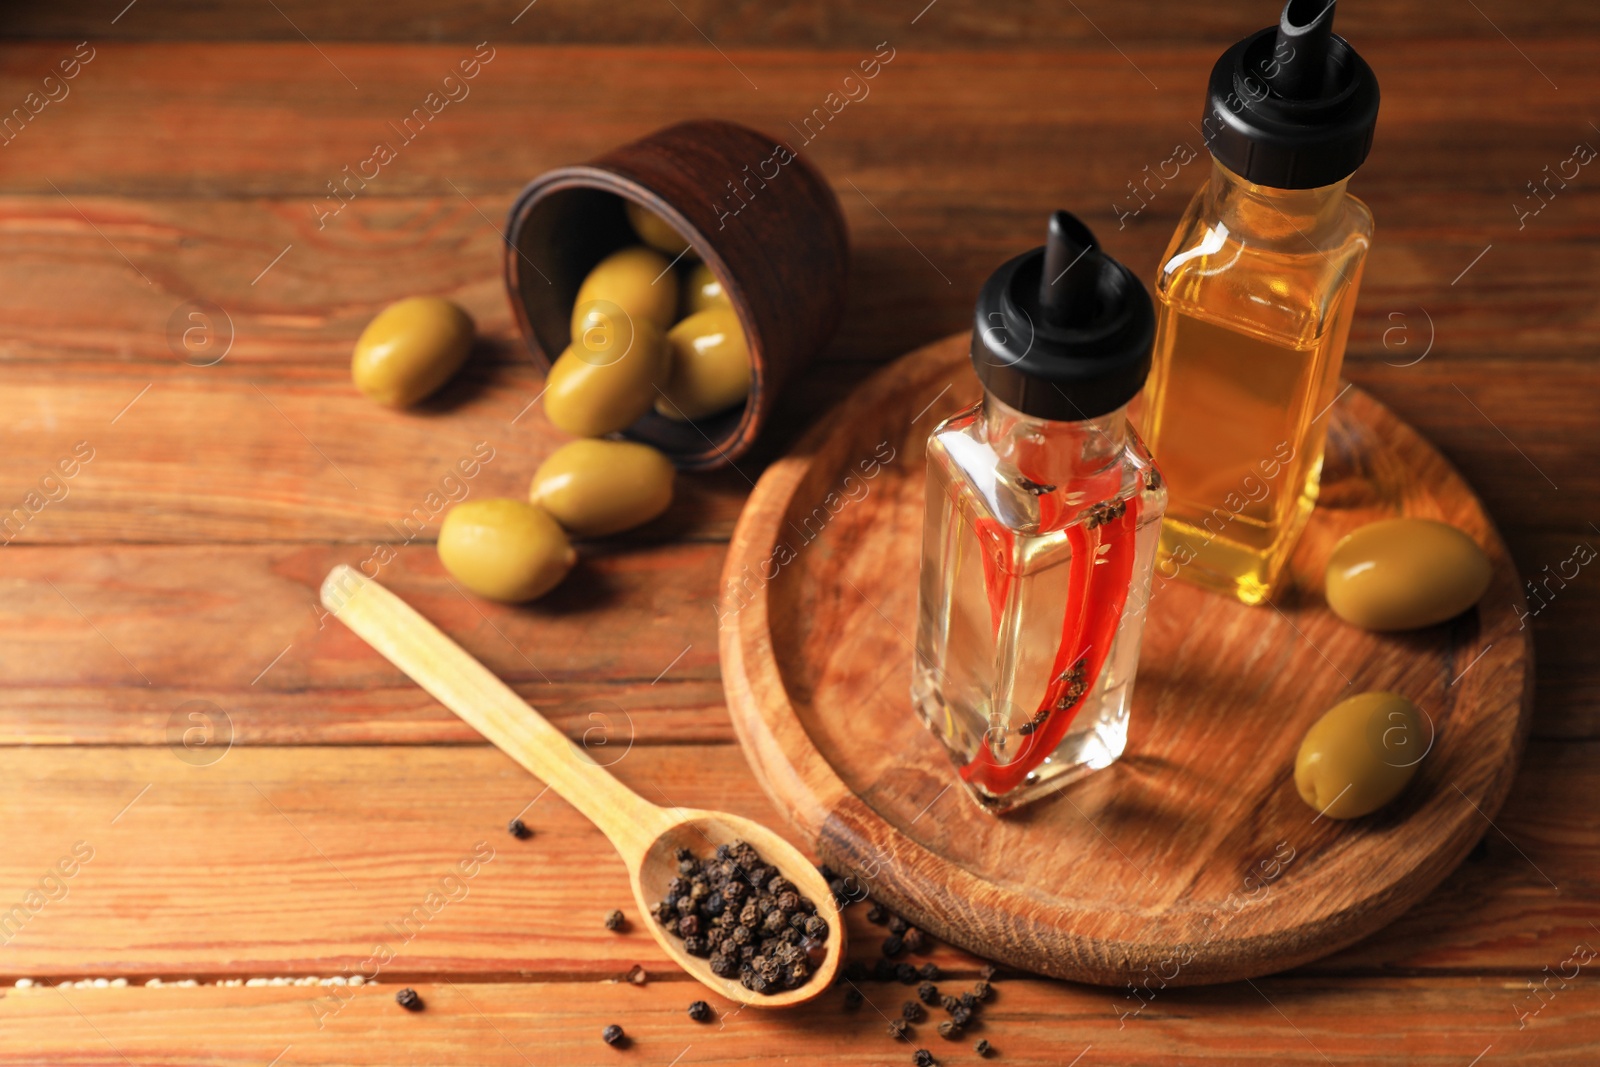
(646, 836)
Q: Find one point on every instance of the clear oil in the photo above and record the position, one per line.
(1254, 303)
(1039, 542)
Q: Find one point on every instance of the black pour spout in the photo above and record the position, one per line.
(1300, 53)
(1069, 283)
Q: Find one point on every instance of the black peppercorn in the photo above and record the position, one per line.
(897, 1028)
(982, 1048)
(613, 1035)
(882, 971)
(949, 1003)
(852, 998)
(905, 973)
(961, 1017)
(969, 1002)
(982, 990)
(877, 914)
(407, 998)
(684, 854)
(922, 1058)
(700, 1011)
(616, 921)
(518, 829)
(724, 966)
(898, 925)
(949, 1030)
(913, 940)
(930, 971)
(688, 926)
(928, 993)
(893, 946)
(911, 1011)
(696, 946)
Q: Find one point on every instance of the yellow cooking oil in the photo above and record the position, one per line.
(1255, 296)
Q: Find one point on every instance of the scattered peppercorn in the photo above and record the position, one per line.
(930, 971)
(913, 940)
(616, 921)
(613, 1035)
(407, 998)
(519, 829)
(904, 973)
(949, 1003)
(982, 1048)
(923, 1058)
(700, 1011)
(961, 1016)
(898, 925)
(882, 971)
(893, 946)
(911, 1011)
(877, 914)
(852, 998)
(989, 971)
(741, 914)
(949, 1030)
(897, 1028)
(982, 990)
(928, 993)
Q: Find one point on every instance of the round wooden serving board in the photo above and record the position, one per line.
(1192, 859)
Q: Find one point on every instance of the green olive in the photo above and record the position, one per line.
(595, 488)
(656, 231)
(710, 365)
(1360, 754)
(504, 549)
(411, 348)
(704, 290)
(1403, 574)
(635, 283)
(590, 396)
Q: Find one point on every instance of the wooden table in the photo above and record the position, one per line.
(159, 604)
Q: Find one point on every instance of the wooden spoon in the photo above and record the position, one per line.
(647, 836)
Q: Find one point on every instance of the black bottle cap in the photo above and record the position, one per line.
(1292, 106)
(1063, 332)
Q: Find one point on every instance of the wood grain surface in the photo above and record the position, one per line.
(184, 166)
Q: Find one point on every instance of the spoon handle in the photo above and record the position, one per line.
(488, 705)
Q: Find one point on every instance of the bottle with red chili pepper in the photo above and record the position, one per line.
(1043, 514)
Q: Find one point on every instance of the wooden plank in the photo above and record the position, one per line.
(1434, 1022)
(291, 861)
(110, 653)
(825, 24)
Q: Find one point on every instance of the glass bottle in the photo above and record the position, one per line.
(1042, 517)
(1254, 301)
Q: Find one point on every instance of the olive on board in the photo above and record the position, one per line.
(634, 283)
(595, 488)
(591, 393)
(710, 365)
(1403, 574)
(1360, 754)
(656, 231)
(704, 291)
(504, 549)
(410, 349)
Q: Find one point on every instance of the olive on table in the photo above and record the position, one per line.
(656, 231)
(710, 365)
(595, 488)
(592, 392)
(1403, 574)
(410, 349)
(504, 549)
(633, 283)
(1360, 754)
(704, 290)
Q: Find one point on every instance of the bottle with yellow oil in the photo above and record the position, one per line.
(1255, 295)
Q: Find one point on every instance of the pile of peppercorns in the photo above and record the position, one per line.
(740, 913)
